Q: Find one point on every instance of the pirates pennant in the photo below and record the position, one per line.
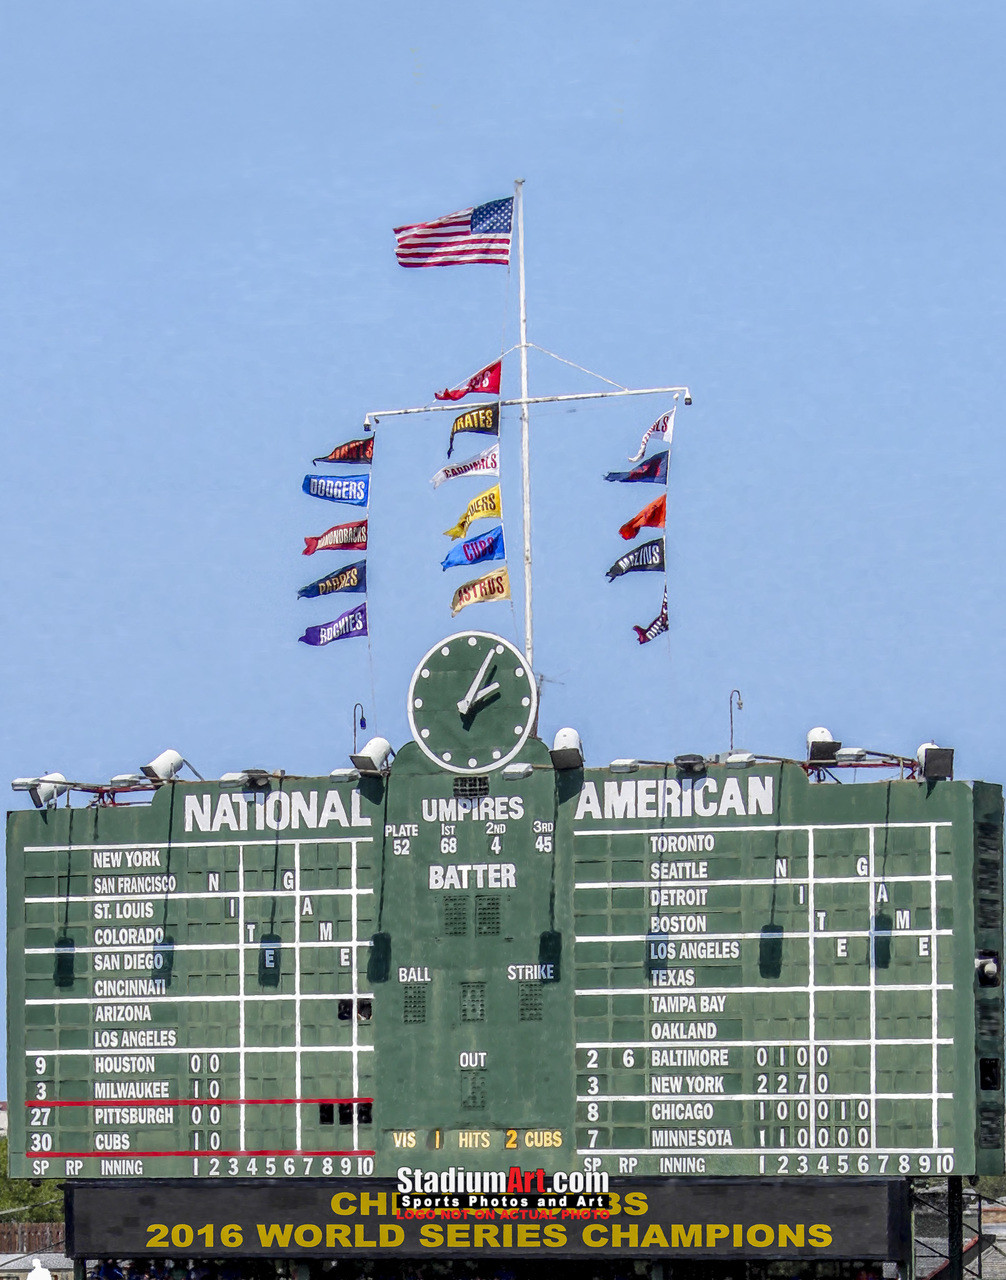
(487, 546)
(353, 489)
(484, 383)
(491, 586)
(351, 451)
(352, 577)
(341, 537)
(346, 625)
(486, 504)
(648, 557)
(651, 517)
(486, 463)
(663, 426)
(659, 624)
(484, 418)
(653, 469)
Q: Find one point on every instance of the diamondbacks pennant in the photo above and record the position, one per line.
(484, 418)
(353, 489)
(353, 623)
(651, 517)
(341, 537)
(662, 426)
(491, 586)
(487, 546)
(486, 463)
(489, 503)
(654, 469)
(659, 624)
(351, 577)
(484, 383)
(351, 451)
(648, 557)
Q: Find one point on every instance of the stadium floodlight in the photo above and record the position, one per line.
(623, 766)
(245, 780)
(44, 791)
(373, 760)
(740, 760)
(850, 755)
(345, 775)
(163, 767)
(127, 780)
(567, 750)
(514, 772)
(822, 748)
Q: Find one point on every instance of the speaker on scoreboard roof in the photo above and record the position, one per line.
(550, 953)
(770, 951)
(379, 960)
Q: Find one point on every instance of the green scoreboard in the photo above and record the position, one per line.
(479, 959)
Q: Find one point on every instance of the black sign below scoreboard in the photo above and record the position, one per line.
(672, 1218)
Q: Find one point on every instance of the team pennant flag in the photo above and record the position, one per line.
(659, 624)
(654, 469)
(663, 426)
(352, 577)
(486, 418)
(486, 463)
(484, 383)
(487, 546)
(354, 489)
(648, 557)
(491, 586)
(353, 623)
(477, 234)
(341, 537)
(651, 517)
(486, 504)
(351, 451)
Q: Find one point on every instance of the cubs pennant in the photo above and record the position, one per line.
(352, 577)
(653, 469)
(346, 625)
(353, 489)
(351, 451)
(662, 427)
(646, 558)
(659, 624)
(484, 383)
(484, 418)
(486, 504)
(486, 463)
(341, 537)
(491, 586)
(487, 546)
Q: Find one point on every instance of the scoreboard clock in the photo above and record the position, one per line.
(735, 972)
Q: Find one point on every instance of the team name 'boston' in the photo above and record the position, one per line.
(669, 798)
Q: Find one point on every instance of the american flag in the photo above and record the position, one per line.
(479, 234)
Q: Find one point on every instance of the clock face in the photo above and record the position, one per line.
(472, 702)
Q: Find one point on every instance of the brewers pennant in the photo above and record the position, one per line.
(477, 234)
(653, 469)
(659, 624)
(486, 463)
(341, 537)
(485, 418)
(486, 504)
(351, 451)
(491, 586)
(648, 557)
(353, 489)
(651, 516)
(484, 383)
(351, 577)
(353, 623)
(662, 426)
(487, 546)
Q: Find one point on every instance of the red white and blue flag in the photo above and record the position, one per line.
(479, 234)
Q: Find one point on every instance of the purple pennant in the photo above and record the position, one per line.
(353, 623)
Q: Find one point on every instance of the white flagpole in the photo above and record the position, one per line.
(525, 434)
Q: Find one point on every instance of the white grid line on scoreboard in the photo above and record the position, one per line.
(749, 830)
(752, 1044)
(187, 1049)
(353, 1008)
(219, 894)
(242, 1083)
(932, 961)
(298, 1082)
(873, 987)
(752, 991)
(699, 882)
(792, 934)
(195, 946)
(232, 843)
(199, 999)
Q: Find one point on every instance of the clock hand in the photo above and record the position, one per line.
(485, 692)
(465, 703)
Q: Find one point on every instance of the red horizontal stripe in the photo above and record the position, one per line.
(462, 218)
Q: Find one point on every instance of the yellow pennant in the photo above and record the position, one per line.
(491, 586)
(488, 503)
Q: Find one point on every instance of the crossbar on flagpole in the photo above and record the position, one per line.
(377, 415)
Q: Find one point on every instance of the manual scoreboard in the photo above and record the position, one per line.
(478, 959)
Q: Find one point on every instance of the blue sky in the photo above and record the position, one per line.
(795, 209)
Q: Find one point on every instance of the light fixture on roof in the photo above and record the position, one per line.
(373, 760)
(567, 750)
(164, 767)
(44, 791)
(127, 780)
(850, 755)
(245, 780)
(740, 760)
(690, 762)
(345, 775)
(519, 769)
(822, 748)
(623, 766)
(937, 762)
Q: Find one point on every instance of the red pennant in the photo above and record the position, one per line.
(484, 383)
(651, 517)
